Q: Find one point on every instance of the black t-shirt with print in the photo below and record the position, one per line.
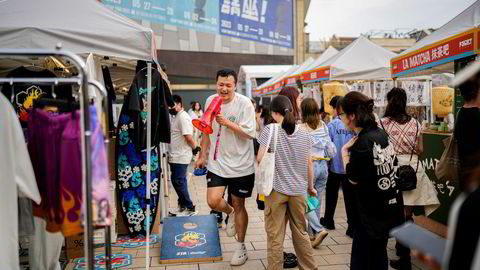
(372, 166)
(25, 93)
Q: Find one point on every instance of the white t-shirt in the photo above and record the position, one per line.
(17, 179)
(235, 157)
(180, 151)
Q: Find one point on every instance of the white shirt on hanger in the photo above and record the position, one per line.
(17, 179)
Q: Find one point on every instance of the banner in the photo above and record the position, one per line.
(380, 90)
(417, 92)
(198, 15)
(363, 88)
(442, 52)
(268, 21)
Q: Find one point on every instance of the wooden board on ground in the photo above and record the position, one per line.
(190, 239)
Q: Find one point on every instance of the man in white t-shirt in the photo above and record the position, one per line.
(230, 158)
(181, 153)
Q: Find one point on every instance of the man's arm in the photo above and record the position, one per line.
(190, 141)
(204, 146)
(246, 127)
(235, 128)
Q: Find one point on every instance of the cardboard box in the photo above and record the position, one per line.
(74, 246)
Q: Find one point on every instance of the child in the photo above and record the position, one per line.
(322, 150)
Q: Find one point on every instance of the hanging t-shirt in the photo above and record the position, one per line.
(17, 179)
(235, 156)
(25, 93)
(180, 151)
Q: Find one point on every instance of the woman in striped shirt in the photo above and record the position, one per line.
(322, 150)
(292, 179)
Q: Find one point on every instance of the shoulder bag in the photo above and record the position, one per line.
(266, 169)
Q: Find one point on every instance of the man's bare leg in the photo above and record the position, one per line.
(241, 217)
(215, 200)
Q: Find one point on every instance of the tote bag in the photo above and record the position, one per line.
(266, 169)
(448, 166)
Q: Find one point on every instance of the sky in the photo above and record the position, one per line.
(354, 17)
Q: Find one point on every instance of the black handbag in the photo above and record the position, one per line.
(406, 176)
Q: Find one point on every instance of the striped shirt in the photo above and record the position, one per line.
(291, 160)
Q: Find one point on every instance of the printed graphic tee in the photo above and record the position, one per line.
(235, 156)
(372, 167)
(17, 179)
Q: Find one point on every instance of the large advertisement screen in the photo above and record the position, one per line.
(267, 21)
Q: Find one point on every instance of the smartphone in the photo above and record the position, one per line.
(419, 238)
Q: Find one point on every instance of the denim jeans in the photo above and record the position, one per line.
(180, 184)
(320, 175)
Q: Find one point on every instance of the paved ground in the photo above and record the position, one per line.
(333, 254)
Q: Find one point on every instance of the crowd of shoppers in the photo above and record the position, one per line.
(356, 151)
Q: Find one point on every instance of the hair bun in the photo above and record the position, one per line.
(369, 105)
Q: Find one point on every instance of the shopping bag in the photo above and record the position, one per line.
(448, 166)
(266, 169)
(312, 203)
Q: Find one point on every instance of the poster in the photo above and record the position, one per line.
(267, 21)
(417, 92)
(200, 15)
(363, 87)
(380, 90)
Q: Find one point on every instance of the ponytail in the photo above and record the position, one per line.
(289, 122)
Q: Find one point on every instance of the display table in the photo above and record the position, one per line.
(447, 190)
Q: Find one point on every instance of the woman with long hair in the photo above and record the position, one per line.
(295, 98)
(292, 180)
(370, 162)
(323, 149)
(405, 134)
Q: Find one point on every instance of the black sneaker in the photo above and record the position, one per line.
(219, 217)
(329, 225)
(401, 264)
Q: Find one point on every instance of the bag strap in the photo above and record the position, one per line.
(275, 140)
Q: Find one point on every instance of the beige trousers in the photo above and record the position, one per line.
(278, 209)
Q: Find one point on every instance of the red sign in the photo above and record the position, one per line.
(434, 54)
(291, 80)
(316, 74)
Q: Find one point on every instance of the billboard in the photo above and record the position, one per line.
(201, 15)
(266, 21)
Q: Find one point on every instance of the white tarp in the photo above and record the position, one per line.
(303, 67)
(279, 76)
(327, 54)
(247, 72)
(81, 27)
(361, 60)
(468, 19)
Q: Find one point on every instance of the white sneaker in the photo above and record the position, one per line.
(239, 256)
(231, 231)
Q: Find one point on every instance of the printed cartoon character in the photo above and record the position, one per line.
(122, 162)
(25, 100)
(136, 179)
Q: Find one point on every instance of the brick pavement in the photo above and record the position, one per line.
(333, 254)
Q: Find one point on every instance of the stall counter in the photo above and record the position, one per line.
(447, 190)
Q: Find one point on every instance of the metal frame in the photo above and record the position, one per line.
(82, 80)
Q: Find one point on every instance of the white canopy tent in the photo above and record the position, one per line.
(361, 60)
(247, 72)
(459, 26)
(294, 75)
(327, 54)
(277, 78)
(81, 27)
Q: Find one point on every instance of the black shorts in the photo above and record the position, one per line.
(241, 187)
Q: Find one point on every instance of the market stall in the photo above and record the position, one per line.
(248, 74)
(83, 28)
(447, 50)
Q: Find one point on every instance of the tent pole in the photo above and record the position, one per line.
(149, 144)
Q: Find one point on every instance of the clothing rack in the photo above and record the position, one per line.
(82, 80)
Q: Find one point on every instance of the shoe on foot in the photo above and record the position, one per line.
(239, 256)
(329, 225)
(190, 211)
(231, 231)
(180, 211)
(401, 264)
(318, 239)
